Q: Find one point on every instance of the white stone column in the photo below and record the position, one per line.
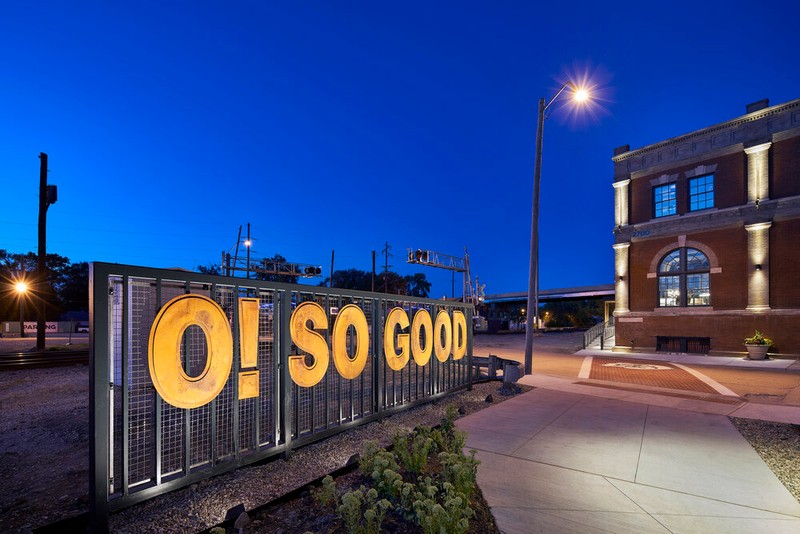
(622, 282)
(758, 172)
(758, 266)
(621, 207)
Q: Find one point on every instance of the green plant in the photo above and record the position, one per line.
(326, 494)
(413, 448)
(362, 511)
(758, 339)
(442, 509)
(412, 481)
(447, 437)
(460, 471)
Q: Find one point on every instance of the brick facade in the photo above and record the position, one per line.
(748, 238)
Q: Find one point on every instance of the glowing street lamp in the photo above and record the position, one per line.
(21, 288)
(579, 95)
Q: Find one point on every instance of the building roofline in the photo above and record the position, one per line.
(749, 117)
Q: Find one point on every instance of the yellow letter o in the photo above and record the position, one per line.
(443, 348)
(347, 367)
(422, 320)
(164, 351)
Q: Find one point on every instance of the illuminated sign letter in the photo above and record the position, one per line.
(350, 315)
(422, 321)
(164, 351)
(396, 317)
(459, 334)
(442, 326)
(309, 341)
(248, 347)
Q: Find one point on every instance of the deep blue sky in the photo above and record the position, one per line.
(343, 125)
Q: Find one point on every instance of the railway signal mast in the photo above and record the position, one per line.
(452, 263)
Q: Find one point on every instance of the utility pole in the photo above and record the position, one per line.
(373, 271)
(48, 194)
(333, 252)
(247, 245)
(386, 266)
(236, 252)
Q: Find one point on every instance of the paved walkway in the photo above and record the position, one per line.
(569, 457)
(701, 359)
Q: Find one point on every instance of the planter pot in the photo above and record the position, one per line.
(757, 352)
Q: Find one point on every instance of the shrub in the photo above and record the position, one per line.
(433, 494)
(362, 511)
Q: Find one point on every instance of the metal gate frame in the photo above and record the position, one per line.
(142, 447)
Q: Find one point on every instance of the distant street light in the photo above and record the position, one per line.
(21, 288)
(579, 95)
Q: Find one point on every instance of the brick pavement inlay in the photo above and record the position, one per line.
(672, 377)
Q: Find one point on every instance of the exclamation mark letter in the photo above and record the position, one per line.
(248, 347)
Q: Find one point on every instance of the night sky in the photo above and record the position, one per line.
(343, 125)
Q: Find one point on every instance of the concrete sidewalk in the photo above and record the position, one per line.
(700, 359)
(567, 457)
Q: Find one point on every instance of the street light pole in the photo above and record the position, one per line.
(532, 315)
(21, 315)
(21, 288)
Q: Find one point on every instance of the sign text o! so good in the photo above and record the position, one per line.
(445, 336)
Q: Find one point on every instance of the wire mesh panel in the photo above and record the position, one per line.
(267, 365)
(142, 306)
(157, 430)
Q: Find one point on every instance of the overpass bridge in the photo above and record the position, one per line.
(507, 306)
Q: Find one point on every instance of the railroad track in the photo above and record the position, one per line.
(29, 360)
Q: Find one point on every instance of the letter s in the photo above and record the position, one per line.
(308, 341)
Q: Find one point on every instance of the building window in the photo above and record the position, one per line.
(701, 192)
(683, 279)
(664, 200)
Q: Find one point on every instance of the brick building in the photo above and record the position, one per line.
(707, 236)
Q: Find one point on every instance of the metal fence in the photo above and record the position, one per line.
(144, 446)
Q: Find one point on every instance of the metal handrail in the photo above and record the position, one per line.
(593, 333)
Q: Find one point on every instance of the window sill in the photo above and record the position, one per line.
(665, 217)
(683, 310)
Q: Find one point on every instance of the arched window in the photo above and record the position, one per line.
(683, 278)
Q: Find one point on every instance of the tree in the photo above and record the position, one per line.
(571, 313)
(73, 288)
(211, 268)
(66, 286)
(391, 282)
(417, 285)
(351, 279)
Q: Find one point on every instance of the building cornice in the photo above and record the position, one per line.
(731, 124)
(692, 160)
(715, 219)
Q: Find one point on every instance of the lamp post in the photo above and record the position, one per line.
(21, 288)
(532, 317)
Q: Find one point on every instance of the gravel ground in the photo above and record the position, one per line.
(778, 444)
(44, 442)
(44, 457)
